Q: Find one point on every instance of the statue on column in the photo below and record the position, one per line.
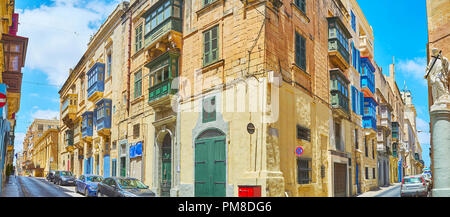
(437, 75)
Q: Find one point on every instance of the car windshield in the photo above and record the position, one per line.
(94, 179)
(131, 183)
(66, 173)
(413, 180)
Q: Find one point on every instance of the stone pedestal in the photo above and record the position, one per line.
(440, 120)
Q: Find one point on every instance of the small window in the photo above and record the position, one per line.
(301, 4)
(304, 171)
(138, 84)
(367, 173)
(136, 129)
(209, 109)
(210, 45)
(300, 51)
(303, 133)
(373, 172)
(138, 38)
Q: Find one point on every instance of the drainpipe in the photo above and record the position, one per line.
(129, 61)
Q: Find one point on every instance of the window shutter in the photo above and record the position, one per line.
(361, 98)
(303, 53)
(207, 48)
(353, 99)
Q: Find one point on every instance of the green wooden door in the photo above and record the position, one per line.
(210, 167)
(166, 167)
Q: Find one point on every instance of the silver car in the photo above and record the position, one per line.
(414, 186)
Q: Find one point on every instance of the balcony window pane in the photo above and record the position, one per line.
(176, 12)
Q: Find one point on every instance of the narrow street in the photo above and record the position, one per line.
(393, 192)
(39, 187)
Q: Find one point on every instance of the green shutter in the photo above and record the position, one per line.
(300, 51)
(210, 45)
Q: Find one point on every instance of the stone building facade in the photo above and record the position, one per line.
(87, 106)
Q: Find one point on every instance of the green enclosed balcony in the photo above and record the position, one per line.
(162, 72)
(162, 89)
(162, 18)
(339, 91)
(395, 131)
(338, 42)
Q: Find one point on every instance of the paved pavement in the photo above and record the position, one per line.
(12, 188)
(22, 186)
(392, 190)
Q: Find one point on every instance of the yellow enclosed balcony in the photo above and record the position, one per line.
(366, 46)
(69, 109)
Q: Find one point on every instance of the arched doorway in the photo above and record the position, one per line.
(166, 166)
(210, 164)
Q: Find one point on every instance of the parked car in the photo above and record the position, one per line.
(414, 186)
(87, 184)
(50, 175)
(123, 187)
(64, 178)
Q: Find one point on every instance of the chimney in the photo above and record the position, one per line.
(392, 70)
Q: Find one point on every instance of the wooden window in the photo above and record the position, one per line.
(353, 21)
(304, 171)
(373, 172)
(209, 109)
(367, 173)
(211, 45)
(303, 133)
(208, 2)
(108, 60)
(301, 4)
(300, 51)
(138, 84)
(337, 134)
(356, 139)
(138, 38)
(136, 129)
(365, 146)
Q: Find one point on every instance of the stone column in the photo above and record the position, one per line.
(440, 120)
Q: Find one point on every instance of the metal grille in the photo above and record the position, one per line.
(304, 171)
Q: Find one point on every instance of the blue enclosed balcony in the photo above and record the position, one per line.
(370, 114)
(103, 116)
(96, 82)
(367, 74)
(87, 126)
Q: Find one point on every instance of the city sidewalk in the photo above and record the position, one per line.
(12, 188)
(379, 191)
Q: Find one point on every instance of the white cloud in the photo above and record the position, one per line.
(45, 114)
(18, 141)
(58, 34)
(415, 68)
(424, 127)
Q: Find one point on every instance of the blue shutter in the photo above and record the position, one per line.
(106, 165)
(353, 99)
(361, 95)
(358, 62)
(85, 166)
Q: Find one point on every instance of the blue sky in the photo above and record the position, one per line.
(400, 30)
(399, 27)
